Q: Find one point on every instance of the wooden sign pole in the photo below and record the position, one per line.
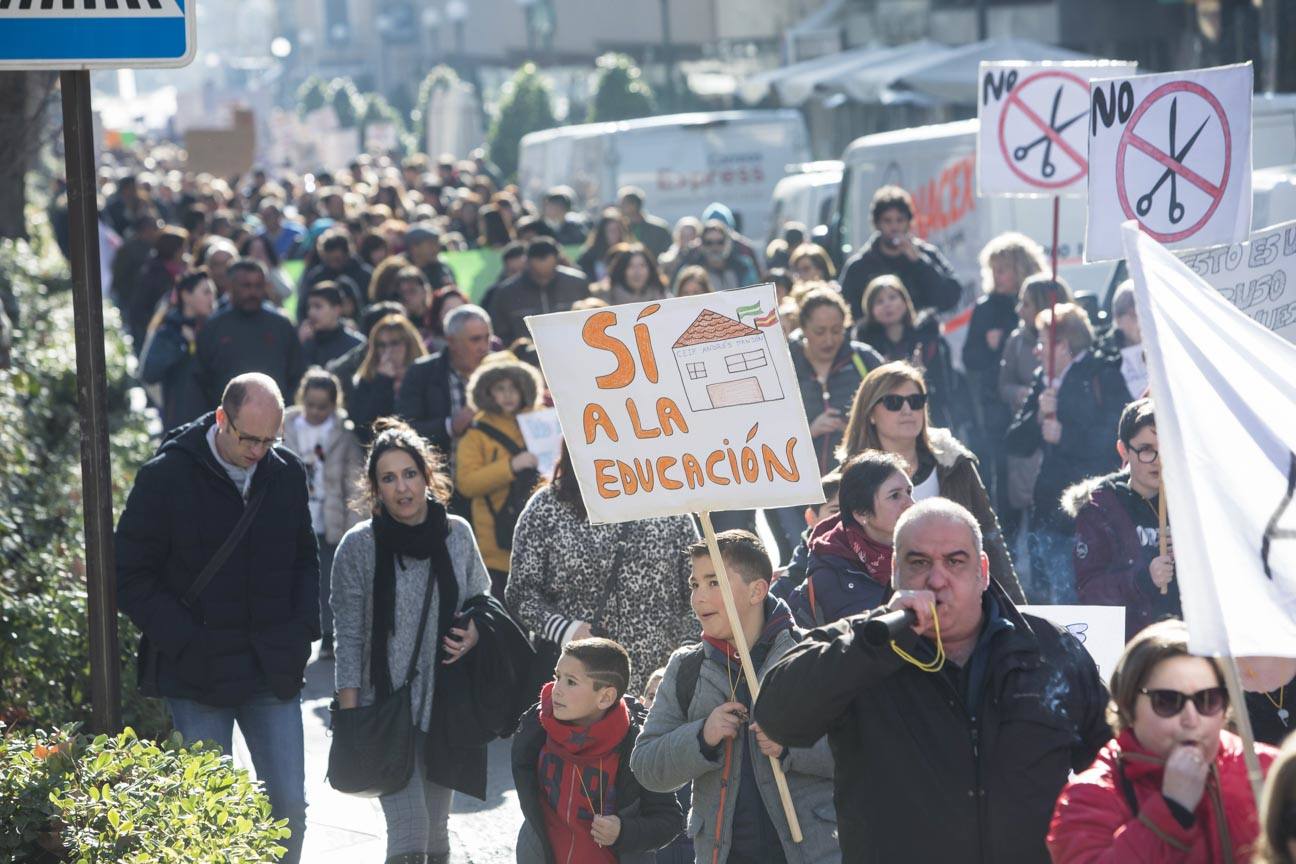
(749, 670)
(1161, 527)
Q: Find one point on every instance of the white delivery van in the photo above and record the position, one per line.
(682, 161)
(808, 194)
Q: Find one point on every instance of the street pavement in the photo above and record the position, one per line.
(342, 828)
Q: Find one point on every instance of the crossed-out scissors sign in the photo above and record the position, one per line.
(1172, 151)
(1032, 137)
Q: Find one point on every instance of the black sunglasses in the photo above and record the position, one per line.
(1168, 703)
(892, 402)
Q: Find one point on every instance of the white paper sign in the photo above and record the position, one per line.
(1032, 138)
(682, 406)
(1173, 152)
(543, 437)
(1258, 276)
(1101, 629)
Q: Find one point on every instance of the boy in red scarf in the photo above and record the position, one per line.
(580, 803)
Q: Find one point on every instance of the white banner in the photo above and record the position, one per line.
(682, 406)
(1100, 629)
(1258, 276)
(1172, 152)
(1225, 397)
(1033, 134)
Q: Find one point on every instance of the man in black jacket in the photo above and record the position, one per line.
(433, 397)
(340, 264)
(959, 759)
(893, 250)
(544, 286)
(235, 650)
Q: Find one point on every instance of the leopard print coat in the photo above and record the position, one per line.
(562, 566)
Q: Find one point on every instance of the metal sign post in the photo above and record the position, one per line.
(75, 37)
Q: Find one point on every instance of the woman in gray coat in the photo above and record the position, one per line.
(381, 571)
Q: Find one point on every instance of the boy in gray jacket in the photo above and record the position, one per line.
(698, 729)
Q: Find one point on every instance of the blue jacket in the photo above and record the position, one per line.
(837, 580)
(169, 360)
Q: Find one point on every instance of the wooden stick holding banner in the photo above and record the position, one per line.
(1161, 527)
(749, 670)
(1233, 680)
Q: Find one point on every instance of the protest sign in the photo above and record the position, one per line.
(682, 406)
(1258, 276)
(1172, 152)
(1100, 629)
(1032, 135)
(543, 437)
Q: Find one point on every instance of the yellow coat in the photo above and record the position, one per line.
(483, 472)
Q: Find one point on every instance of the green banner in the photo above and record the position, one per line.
(475, 270)
(294, 270)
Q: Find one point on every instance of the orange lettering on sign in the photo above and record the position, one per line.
(595, 335)
(667, 413)
(605, 480)
(639, 432)
(595, 419)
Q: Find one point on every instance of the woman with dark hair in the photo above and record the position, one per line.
(1172, 785)
(571, 579)
(608, 231)
(168, 357)
(633, 276)
(890, 413)
(372, 248)
(382, 571)
(495, 228)
(393, 347)
(160, 274)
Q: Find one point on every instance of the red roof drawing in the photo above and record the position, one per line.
(713, 327)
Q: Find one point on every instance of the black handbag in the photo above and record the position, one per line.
(372, 752)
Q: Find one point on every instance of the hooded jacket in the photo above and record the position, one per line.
(1117, 536)
(986, 747)
(930, 279)
(848, 573)
(484, 474)
(601, 753)
(251, 628)
(854, 360)
(1102, 819)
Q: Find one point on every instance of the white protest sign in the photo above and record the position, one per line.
(543, 437)
(681, 406)
(1032, 138)
(1101, 629)
(1258, 276)
(1173, 152)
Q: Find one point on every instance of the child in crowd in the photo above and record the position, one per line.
(790, 577)
(493, 468)
(580, 802)
(737, 813)
(316, 428)
(330, 337)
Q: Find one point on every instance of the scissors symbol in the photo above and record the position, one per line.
(1176, 210)
(1048, 169)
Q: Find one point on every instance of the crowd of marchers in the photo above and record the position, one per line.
(342, 478)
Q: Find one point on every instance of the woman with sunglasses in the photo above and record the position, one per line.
(1172, 785)
(890, 414)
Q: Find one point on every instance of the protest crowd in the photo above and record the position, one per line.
(347, 459)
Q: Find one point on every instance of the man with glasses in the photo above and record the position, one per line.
(952, 738)
(217, 566)
(1117, 551)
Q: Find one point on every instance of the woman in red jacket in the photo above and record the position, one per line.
(1172, 786)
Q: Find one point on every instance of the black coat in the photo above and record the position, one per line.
(1090, 401)
(424, 398)
(252, 627)
(854, 360)
(929, 280)
(649, 820)
(233, 342)
(993, 311)
(519, 296)
(925, 773)
(370, 399)
(352, 278)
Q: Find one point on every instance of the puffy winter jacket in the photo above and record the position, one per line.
(854, 360)
(847, 574)
(1101, 818)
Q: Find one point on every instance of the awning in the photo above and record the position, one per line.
(796, 83)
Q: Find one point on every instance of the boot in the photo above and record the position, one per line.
(411, 858)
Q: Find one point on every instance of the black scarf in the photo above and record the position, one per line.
(420, 542)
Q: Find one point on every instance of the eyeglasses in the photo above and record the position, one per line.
(252, 440)
(893, 402)
(1147, 455)
(715, 244)
(1168, 703)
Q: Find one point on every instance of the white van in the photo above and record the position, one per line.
(682, 161)
(808, 194)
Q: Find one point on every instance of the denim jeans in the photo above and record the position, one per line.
(272, 728)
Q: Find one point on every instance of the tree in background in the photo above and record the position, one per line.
(378, 110)
(28, 121)
(312, 95)
(524, 107)
(621, 93)
(441, 77)
(346, 102)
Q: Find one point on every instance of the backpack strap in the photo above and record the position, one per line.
(686, 680)
(859, 364)
(498, 437)
(814, 606)
(226, 549)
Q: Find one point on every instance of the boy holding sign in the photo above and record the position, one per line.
(698, 729)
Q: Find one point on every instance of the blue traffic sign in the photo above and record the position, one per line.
(96, 34)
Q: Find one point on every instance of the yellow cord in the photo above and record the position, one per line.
(935, 665)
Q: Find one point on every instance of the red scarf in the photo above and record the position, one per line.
(847, 539)
(578, 770)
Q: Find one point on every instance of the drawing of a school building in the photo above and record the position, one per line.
(723, 362)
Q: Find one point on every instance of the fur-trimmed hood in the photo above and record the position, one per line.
(503, 366)
(946, 449)
(1077, 496)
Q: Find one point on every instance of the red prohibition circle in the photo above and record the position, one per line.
(1123, 147)
(1014, 98)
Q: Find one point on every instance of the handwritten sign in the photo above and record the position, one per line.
(1034, 119)
(543, 437)
(1100, 629)
(1172, 152)
(679, 406)
(1257, 276)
